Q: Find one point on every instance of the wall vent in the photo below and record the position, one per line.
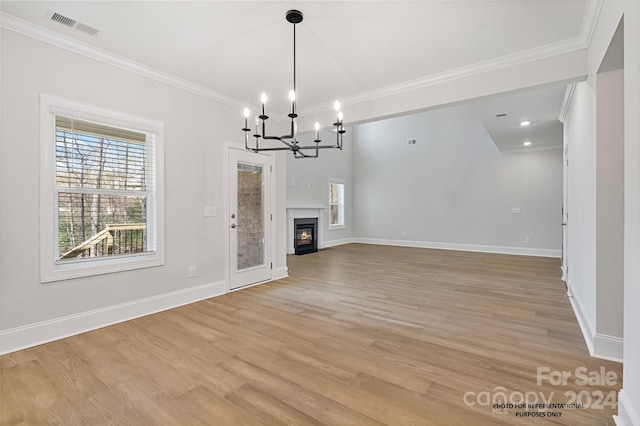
(54, 16)
(411, 142)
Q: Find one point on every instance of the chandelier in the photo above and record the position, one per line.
(290, 141)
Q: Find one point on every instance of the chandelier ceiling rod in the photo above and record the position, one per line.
(294, 56)
(290, 141)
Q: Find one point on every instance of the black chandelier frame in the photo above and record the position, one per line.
(290, 140)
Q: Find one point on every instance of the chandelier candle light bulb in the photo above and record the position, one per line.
(290, 141)
(246, 113)
(263, 99)
(292, 98)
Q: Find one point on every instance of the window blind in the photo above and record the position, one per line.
(92, 155)
(97, 129)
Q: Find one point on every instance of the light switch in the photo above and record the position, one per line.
(515, 210)
(210, 211)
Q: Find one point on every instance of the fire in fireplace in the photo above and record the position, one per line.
(305, 236)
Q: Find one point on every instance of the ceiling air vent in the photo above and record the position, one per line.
(72, 23)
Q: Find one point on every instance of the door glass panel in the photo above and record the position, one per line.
(250, 216)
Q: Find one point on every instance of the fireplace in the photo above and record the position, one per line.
(305, 237)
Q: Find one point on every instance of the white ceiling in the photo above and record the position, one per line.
(345, 48)
(540, 106)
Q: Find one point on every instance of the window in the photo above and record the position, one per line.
(101, 193)
(336, 204)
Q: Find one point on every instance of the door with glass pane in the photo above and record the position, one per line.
(249, 218)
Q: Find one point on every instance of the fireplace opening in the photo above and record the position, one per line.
(305, 235)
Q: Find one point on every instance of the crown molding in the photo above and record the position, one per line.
(566, 101)
(591, 15)
(525, 56)
(582, 41)
(28, 29)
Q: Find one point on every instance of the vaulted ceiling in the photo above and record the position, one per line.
(346, 49)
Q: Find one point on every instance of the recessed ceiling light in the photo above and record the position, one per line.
(525, 123)
(527, 143)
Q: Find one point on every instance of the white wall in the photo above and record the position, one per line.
(195, 131)
(612, 13)
(581, 134)
(454, 189)
(593, 131)
(308, 182)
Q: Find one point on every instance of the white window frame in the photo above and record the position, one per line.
(50, 269)
(342, 216)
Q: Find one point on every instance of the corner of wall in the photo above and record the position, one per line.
(628, 415)
(586, 327)
(608, 347)
(280, 273)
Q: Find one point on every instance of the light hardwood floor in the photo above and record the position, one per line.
(357, 335)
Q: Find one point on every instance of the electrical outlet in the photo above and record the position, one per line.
(192, 271)
(515, 210)
(527, 240)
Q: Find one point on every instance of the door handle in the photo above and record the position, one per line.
(234, 226)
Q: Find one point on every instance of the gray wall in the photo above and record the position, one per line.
(610, 203)
(453, 189)
(195, 131)
(454, 186)
(308, 181)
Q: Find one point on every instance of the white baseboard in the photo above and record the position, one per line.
(586, 327)
(521, 251)
(628, 414)
(280, 273)
(608, 347)
(600, 345)
(333, 243)
(47, 331)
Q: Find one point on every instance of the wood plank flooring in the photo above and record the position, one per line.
(357, 335)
